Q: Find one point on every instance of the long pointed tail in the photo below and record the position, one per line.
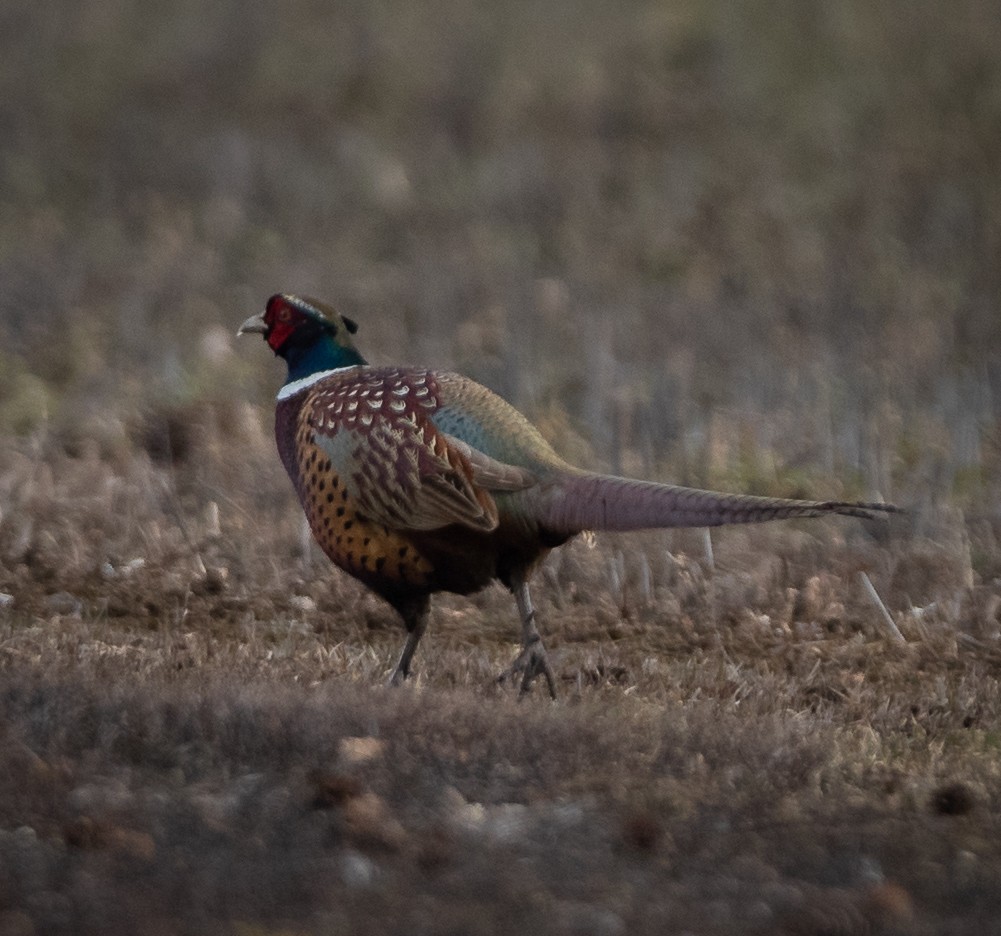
(601, 502)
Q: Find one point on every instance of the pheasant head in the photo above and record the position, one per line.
(309, 335)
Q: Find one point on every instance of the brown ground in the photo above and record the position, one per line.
(197, 738)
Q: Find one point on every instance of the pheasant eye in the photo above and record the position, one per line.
(284, 314)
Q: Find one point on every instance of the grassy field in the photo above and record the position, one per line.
(748, 246)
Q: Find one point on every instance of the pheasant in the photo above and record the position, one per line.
(416, 481)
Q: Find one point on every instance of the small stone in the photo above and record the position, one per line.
(468, 816)
(472, 816)
(370, 822)
(508, 821)
(6, 601)
(133, 565)
(109, 572)
(357, 870)
(64, 603)
(360, 750)
(302, 603)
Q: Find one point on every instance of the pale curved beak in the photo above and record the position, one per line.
(254, 325)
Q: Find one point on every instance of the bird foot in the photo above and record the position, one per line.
(530, 663)
(398, 678)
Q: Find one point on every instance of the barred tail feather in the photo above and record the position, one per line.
(601, 502)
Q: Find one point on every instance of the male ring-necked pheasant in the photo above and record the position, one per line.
(416, 481)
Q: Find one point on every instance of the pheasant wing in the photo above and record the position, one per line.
(395, 464)
(490, 473)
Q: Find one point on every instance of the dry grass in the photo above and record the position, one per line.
(197, 739)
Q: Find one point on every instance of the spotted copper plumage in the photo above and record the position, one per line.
(366, 459)
(398, 465)
(417, 481)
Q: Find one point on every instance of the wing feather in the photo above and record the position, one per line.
(400, 470)
(490, 473)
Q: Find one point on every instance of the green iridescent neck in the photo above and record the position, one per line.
(320, 354)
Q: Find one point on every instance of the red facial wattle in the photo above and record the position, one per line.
(278, 334)
(281, 321)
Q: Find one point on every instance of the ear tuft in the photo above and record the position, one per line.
(351, 324)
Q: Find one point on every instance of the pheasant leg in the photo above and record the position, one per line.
(415, 617)
(533, 660)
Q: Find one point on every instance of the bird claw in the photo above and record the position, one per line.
(397, 679)
(531, 662)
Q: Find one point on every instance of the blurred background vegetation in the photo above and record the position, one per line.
(752, 244)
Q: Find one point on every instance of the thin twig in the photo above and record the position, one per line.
(893, 632)
(707, 549)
